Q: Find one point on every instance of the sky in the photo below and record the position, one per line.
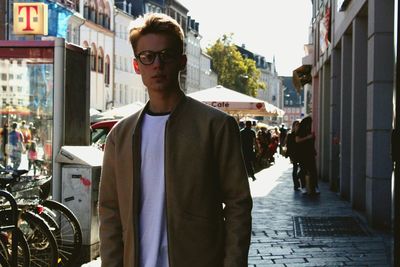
(268, 28)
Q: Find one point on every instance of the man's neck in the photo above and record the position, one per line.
(164, 102)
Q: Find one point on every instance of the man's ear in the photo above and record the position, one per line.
(183, 62)
(136, 66)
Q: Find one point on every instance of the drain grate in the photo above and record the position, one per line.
(327, 227)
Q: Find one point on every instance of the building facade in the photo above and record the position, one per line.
(269, 76)
(97, 33)
(193, 53)
(208, 78)
(128, 86)
(293, 103)
(352, 85)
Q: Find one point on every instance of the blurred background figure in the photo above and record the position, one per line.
(248, 137)
(292, 153)
(282, 139)
(3, 144)
(305, 140)
(16, 147)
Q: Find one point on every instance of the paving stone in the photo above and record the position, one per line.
(273, 242)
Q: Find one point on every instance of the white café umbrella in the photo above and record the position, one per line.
(233, 102)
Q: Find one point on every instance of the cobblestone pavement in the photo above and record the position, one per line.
(273, 238)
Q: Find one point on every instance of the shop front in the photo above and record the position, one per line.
(33, 105)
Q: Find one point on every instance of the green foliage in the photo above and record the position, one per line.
(234, 71)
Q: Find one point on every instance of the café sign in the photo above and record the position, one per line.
(30, 18)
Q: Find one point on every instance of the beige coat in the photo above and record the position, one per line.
(204, 168)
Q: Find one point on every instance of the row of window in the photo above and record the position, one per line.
(97, 62)
(10, 76)
(10, 88)
(121, 31)
(98, 12)
(123, 63)
(10, 102)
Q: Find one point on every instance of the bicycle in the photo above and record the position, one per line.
(31, 190)
(41, 241)
(14, 249)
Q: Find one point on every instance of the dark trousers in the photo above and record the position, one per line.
(249, 166)
(298, 176)
(309, 167)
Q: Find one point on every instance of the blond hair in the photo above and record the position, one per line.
(156, 23)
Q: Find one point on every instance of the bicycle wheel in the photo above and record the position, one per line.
(41, 241)
(67, 231)
(3, 261)
(4, 256)
(23, 253)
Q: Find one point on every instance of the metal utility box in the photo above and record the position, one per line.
(80, 171)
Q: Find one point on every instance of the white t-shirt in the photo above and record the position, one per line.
(152, 216)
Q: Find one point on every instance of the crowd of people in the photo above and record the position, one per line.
(260, 146)
(16, 140)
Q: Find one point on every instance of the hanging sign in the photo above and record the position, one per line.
(30, 18)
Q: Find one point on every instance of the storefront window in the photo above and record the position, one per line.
(26, 114)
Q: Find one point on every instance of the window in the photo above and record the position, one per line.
(19, 89)
(120, 93)
(107, 71)
(101, 19)
(100, 61)
(106, 21)
(86, 11)
(4, 88)
(19, 76)
(93, 53)
(4, 76)
(11, 76)
(20, 102)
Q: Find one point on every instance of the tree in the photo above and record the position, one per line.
(234, 71)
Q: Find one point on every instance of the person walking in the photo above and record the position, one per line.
(282, 139)
(292, 153)
(305, 140)
(15, 141)
(173, 188)
(248, 138)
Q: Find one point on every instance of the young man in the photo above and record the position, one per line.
(173, 189)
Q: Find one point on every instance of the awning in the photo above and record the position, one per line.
(301, 76)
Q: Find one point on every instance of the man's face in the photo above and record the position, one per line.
(163, 73)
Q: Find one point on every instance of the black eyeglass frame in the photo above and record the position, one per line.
(165, 56)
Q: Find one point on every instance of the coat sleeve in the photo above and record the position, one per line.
(236, 195)
(111, 245)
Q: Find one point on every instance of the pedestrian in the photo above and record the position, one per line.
(305, 140)
(173, 187)
(4, 144)
(32, 157)
(26, 134)
(248, 139)
(16, 147)
(262, 141)
(282, 139)
(292, 152)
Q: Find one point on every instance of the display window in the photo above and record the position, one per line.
(26, 109)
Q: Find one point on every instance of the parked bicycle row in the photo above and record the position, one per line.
(35, 230)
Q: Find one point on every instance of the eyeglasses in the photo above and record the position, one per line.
(147, 57)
